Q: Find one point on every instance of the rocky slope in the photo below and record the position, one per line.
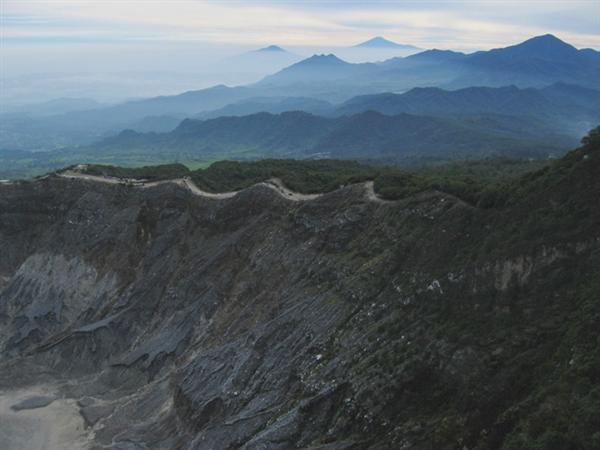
(255, 322)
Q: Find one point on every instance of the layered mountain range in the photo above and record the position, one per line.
(535, 62)
(534, 99)
(364, 135)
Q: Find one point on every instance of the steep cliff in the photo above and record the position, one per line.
(341, 322)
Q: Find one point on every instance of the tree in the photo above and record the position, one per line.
(592, 138)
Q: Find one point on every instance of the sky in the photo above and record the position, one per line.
(444, 24)
(187, 36)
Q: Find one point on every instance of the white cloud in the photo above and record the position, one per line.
(466, 25)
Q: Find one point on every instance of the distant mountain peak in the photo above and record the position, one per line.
(547, 47)
(545, 38)
(545, 41)
(272, 48)
(317, 67)
(381, 42)
(323, 59)
(437, 54)
(539, 48)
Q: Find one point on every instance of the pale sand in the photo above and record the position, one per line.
(57, 426)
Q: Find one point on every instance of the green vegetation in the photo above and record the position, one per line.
(151, 173)
(468, 180)
(563, 412)
(535, 382)
(302, 176)
(16, 164)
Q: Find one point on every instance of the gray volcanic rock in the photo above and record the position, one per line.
(255, 322)
(35, 402)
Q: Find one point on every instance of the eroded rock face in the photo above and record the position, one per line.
(260, 323)
(48, 292)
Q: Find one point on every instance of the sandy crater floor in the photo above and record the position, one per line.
(57, 426)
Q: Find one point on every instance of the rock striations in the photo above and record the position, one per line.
(254, 322)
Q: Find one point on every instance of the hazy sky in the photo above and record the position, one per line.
(445, 24)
